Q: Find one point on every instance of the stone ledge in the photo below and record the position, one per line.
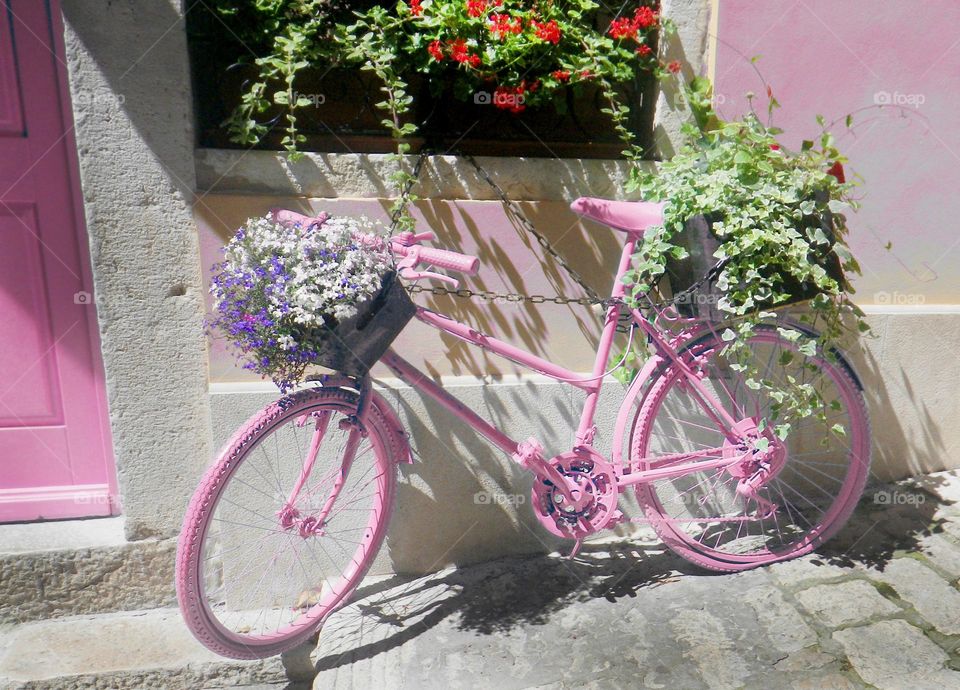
(366, 176)
(78, 567)
(117, 651)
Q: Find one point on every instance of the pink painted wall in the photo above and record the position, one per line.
(834, 58)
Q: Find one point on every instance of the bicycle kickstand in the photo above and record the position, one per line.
(575, 550)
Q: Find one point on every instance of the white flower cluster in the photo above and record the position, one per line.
(307, 273)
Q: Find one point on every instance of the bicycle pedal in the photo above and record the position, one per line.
(528, 451)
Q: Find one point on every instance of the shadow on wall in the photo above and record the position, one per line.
(464, 501)
(908, 428)
(511, 262)
(145, 87)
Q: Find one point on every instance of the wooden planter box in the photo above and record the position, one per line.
(344, 118)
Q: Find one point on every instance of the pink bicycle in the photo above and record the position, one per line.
(288, 520)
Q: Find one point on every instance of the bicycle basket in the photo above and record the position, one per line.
(701, 243)
(355, 344)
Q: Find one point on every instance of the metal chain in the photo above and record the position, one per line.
(513, 297)
(592, 296)
(491, 296)
(510, 297)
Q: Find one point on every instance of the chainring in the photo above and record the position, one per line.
(596, 495)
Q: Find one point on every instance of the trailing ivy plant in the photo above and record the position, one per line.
(519, 54)
(760, 198)
(283, 39)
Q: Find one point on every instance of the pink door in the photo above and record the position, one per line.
(55, 451)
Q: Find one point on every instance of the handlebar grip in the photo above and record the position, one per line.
(454, 261)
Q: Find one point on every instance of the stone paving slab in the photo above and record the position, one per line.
(144, 649)
(875, 608)
(878, 607)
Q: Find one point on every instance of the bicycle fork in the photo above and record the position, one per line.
(313, 525)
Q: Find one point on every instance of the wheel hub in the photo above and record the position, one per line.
(764, 456)
(594, 494)
(291, 520)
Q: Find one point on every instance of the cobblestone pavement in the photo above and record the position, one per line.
(877, 607)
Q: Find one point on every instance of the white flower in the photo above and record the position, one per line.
(303, 275)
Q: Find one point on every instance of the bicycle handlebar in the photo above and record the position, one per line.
(441, 258)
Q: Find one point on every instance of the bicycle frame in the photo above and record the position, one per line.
(660, 468)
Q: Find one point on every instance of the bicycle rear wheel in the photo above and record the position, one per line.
(257, 572)
(746, 515)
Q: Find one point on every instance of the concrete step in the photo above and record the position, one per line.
(73, 567)
(138, 649)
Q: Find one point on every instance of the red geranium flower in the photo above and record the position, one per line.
(644, 18)
(837, 171)
(626, 27)
(547, 31)
(436, 50)
(502, 25)
(643, 49)
(476, 8)
(674, 67)
(561, 75)
(622, 28)
(416, 8)
(458, 50)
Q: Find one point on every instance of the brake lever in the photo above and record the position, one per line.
(409, 239)
(410, 274)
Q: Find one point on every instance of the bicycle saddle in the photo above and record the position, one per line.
(628, 216)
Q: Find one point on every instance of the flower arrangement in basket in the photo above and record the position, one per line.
(291, 294)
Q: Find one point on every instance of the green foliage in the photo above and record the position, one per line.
(766, 205)
(523, 54)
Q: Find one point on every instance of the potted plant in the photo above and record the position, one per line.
(440, 61)
(292, 294)
(518, 54)
(763, 225)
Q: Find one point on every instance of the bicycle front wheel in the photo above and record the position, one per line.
(776, 505)
(273, 543)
